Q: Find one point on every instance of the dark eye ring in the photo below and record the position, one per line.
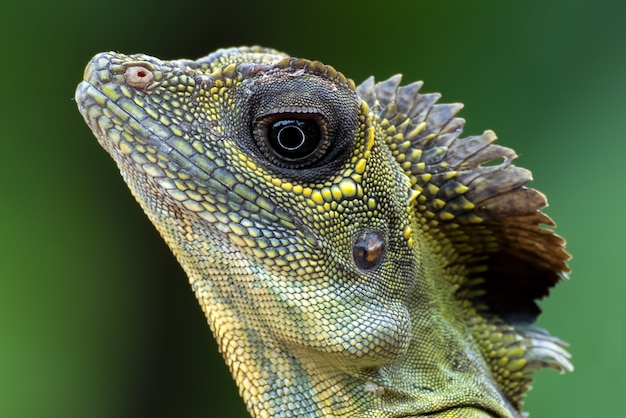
(292, 137)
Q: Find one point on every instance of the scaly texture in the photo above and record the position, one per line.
(353, 255)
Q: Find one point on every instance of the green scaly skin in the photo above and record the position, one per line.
(384, 271)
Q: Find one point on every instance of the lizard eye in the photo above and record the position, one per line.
(288, 139)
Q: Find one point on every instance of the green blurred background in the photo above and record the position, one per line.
(96, 317)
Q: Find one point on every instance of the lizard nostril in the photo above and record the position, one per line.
(368, 250)
(138, 77)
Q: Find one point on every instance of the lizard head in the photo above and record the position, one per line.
(348, 249)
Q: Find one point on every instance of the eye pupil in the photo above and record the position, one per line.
(294, 139)
(291, 137)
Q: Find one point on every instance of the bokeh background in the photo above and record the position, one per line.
(96, 317)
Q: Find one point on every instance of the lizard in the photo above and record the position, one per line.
(353, 254)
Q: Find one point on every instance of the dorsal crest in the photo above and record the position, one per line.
(469, 189)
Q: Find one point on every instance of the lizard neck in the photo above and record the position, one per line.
(433, 374)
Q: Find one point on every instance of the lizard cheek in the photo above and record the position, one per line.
(369, 250)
